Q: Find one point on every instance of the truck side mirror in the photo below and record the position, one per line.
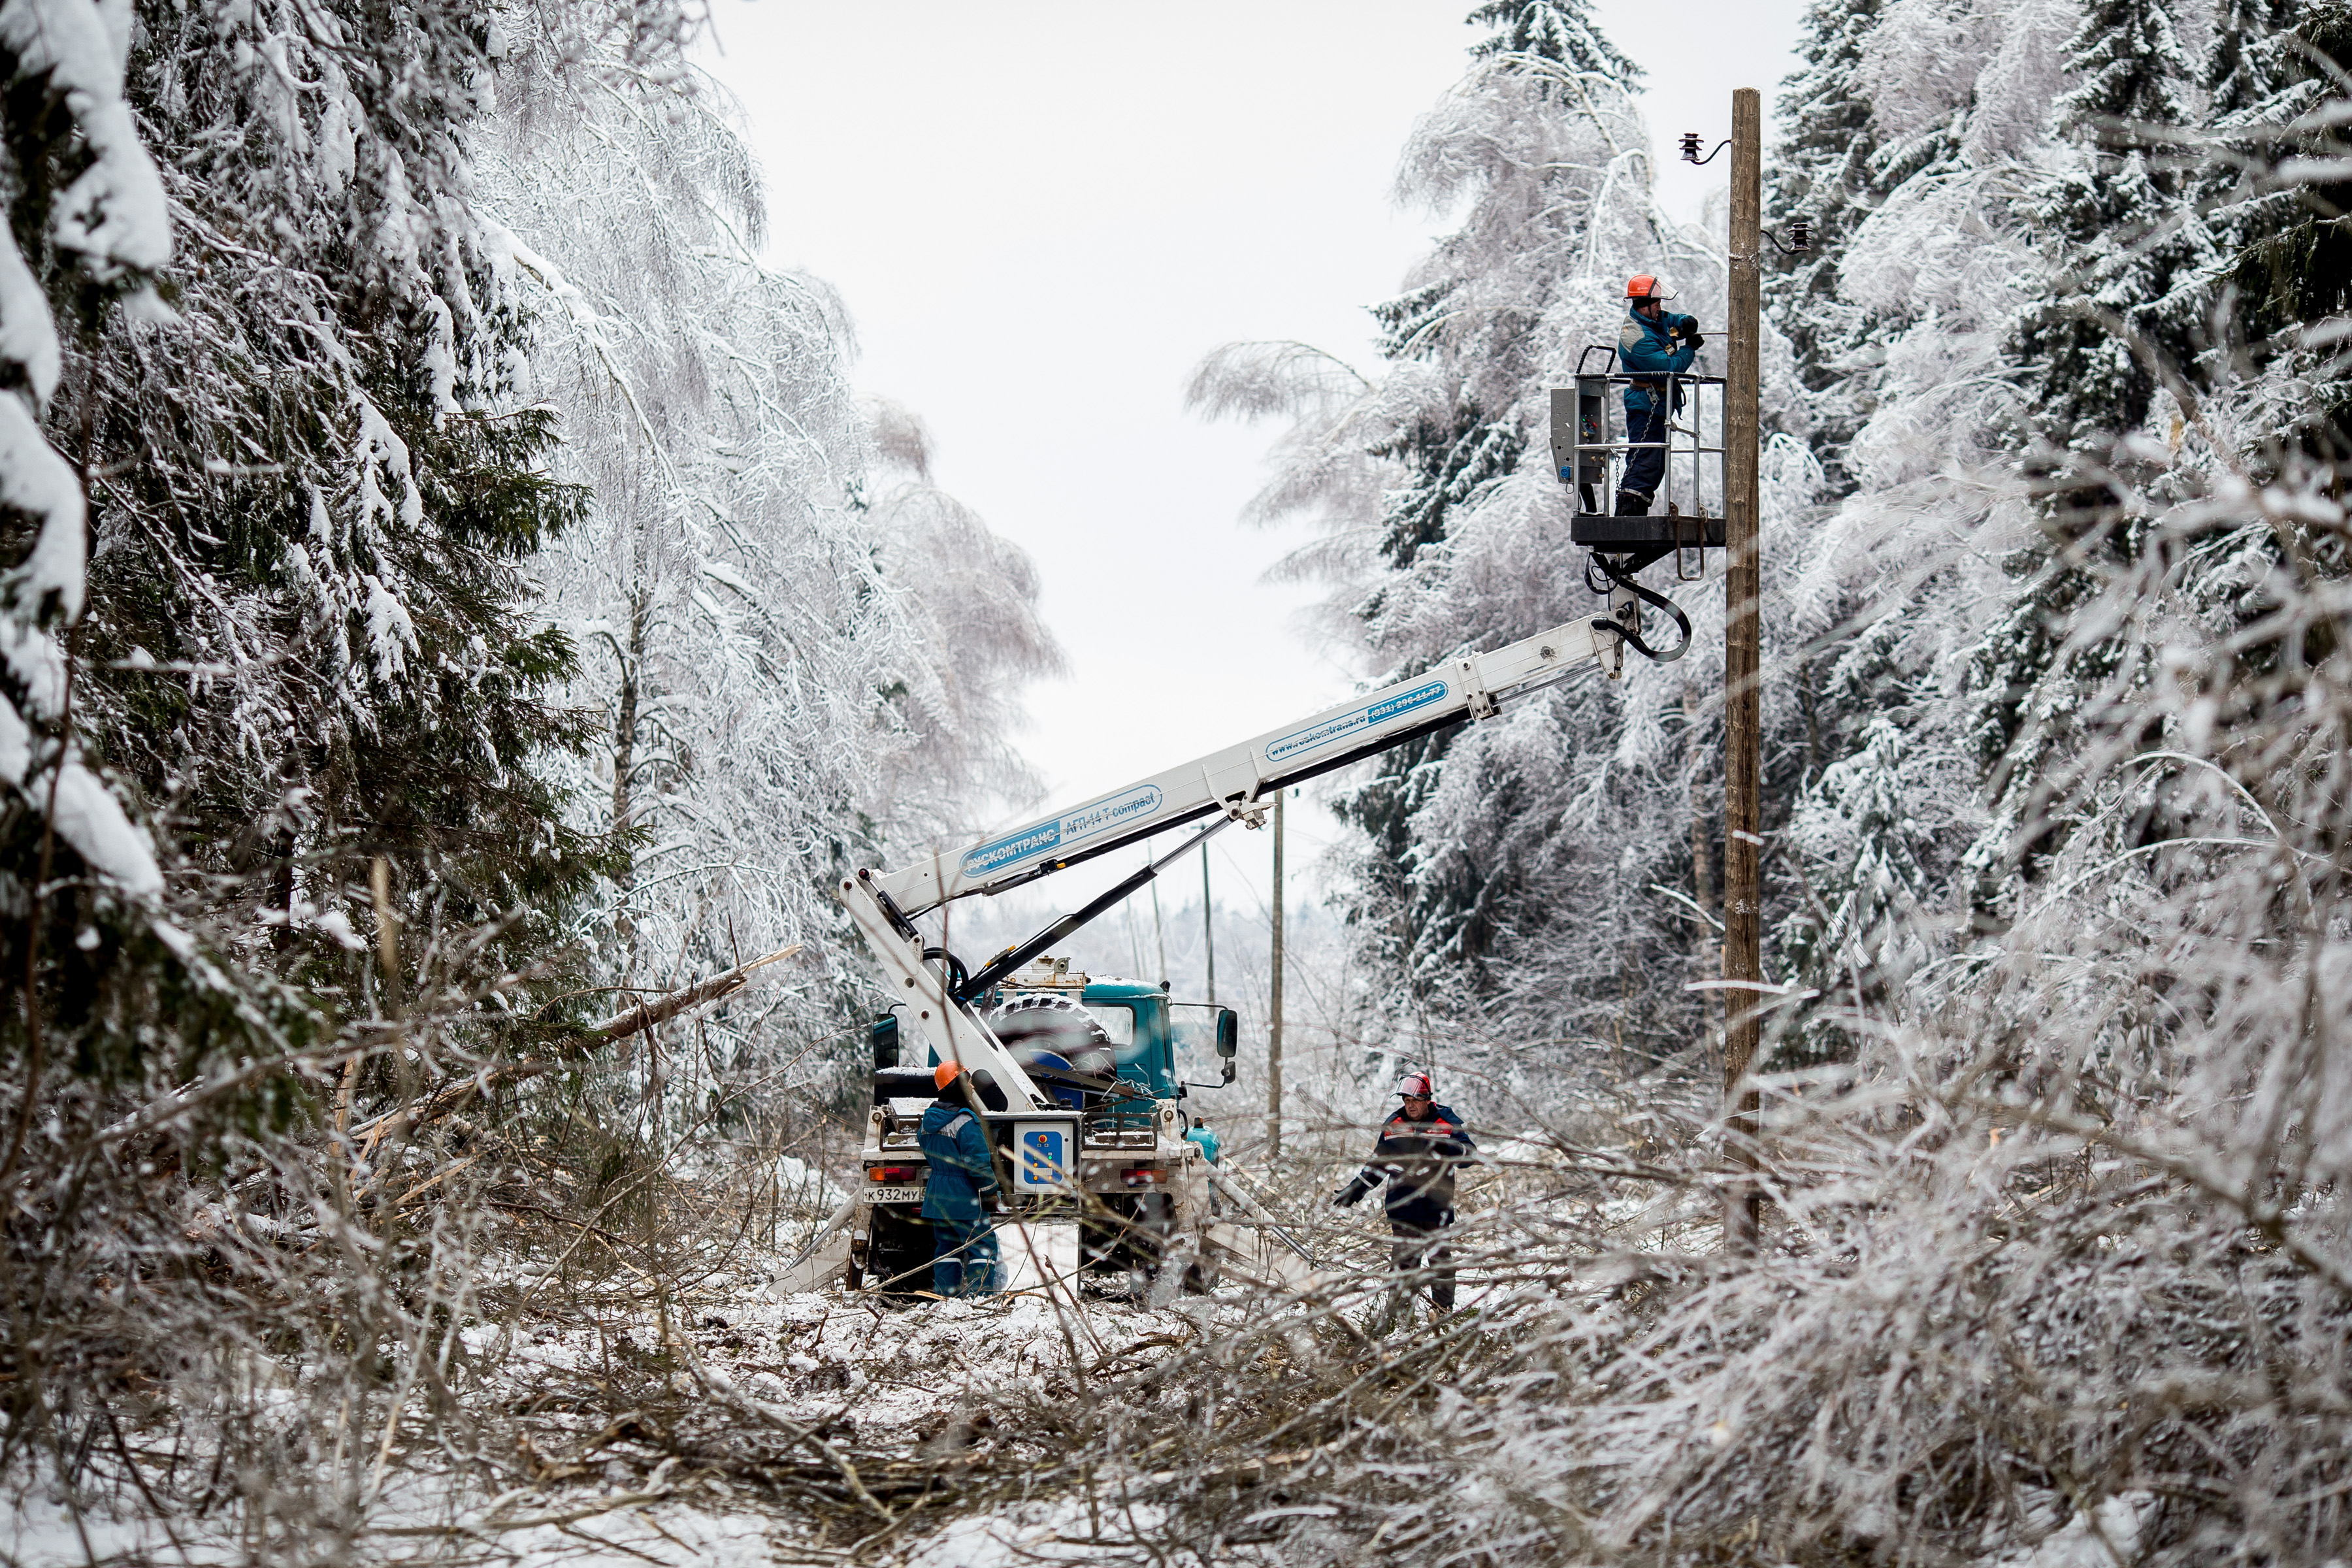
(1229, 1038)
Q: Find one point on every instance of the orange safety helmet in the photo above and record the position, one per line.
(1415, 1086)
(945, 1074)
(1642, 286)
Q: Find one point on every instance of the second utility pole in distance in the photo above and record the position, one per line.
(1209, 924)
(1274, 1009)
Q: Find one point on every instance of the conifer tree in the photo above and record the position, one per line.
(2116, 228)
(2285, 258)
(313, 642)
(88, 229)
(2127, 249)
(1859, 933)
(1561, 31)
(1822, 170)
(2253, 55)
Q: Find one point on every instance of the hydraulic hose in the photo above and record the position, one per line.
(1632, 638)
(958, 977)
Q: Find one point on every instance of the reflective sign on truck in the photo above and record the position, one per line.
(1045, 1157)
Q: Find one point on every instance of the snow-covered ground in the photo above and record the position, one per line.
(759, 1418)
(910, 1396)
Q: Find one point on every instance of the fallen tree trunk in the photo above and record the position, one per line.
(643, 1018)
(649, 1015)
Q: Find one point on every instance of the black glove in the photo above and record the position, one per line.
(1686, 329)
(1352, 1193)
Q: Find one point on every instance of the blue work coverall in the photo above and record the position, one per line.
(960, 1185)
(1647, 346)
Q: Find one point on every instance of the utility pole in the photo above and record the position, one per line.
(1273, 1024)
(1743, 904)
(1209, 924)
(1159, 933)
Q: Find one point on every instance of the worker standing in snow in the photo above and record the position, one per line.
(959, 1187)
(1653, 344)
(1419, 1148)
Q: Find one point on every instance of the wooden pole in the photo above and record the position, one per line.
(1159, 933)
(1209, 924)
(1274, 1021)
(1743, 904)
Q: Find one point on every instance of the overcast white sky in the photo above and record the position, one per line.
(1043, 213)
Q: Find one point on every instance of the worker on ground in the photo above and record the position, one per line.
(1653, 344)
(960, 1188)
(1419, 1148)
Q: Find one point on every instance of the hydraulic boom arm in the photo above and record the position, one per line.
(1240, 781)
(1236, 784)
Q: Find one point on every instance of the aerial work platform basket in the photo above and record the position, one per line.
(1591, 445)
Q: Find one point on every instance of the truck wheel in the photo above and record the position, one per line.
(1155, 1223)
(900, 1252)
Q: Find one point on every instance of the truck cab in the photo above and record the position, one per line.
(1117, 1051)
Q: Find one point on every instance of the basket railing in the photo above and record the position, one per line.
(1593, 439)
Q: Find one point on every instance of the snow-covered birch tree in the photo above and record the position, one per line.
(800, 654)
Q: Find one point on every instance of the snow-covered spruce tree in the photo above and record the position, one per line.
(1931, 277)
(82, 196)
(1561, 30)
(2114, 229)
(1928, 282)
(2273, 266)
(2065, 1274)
(2283, 250)
(2252, 57)
(112, 998)
(1441, 891)
(1984, 119)
(1821, 170)
(1469, 321)
(1858, 934)
(314, 642)
(2112, 1174)
(2130, 262)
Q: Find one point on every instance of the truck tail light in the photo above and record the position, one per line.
(1143, 1176)
(894, 1173)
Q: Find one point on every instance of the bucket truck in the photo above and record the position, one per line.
(1099, 1162)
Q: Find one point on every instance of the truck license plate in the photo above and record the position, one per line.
(879, 1195)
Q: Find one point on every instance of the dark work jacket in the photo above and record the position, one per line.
(962, 1171)
(1417, 1161)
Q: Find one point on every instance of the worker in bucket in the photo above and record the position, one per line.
(959, 1187)
(1653, 343)
(1419, 1148)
